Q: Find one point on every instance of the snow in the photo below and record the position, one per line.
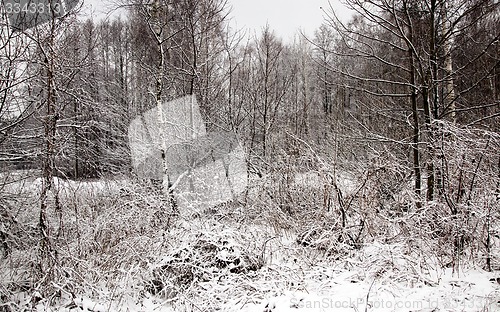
(311, 179)
(356, 289)
(377, 277)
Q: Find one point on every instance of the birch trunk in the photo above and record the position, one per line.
(159, 29)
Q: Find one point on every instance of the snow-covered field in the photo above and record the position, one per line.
(376, 278)
(234, 258)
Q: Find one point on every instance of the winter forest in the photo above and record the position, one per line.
(370, 159)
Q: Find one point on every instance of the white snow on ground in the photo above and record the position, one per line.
(329, 290)
(27, 182)
(313, 179)
(379, 277)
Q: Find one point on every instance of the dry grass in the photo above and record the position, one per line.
(121, 247)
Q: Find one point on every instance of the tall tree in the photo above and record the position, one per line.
(17, 99)
(51, 84)
(270, 86)
(409, 43)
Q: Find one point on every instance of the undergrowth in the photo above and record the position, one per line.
(121, 247)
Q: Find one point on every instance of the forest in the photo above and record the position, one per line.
(372, 152)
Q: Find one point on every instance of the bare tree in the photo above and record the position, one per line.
(46, 79)
(421, 35)
(406, 70)
(16, 98)
(270, 86)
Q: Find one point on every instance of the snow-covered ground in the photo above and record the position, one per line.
(379, 281)
(227, 261)
(379, 277)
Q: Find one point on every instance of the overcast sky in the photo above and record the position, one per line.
(285, 17)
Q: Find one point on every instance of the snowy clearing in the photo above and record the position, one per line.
(129, 254)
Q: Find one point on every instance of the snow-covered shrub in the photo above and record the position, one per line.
(333, 242)
(108, 231)
(467, 170)
(203, 256)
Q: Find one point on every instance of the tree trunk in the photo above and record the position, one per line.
(159, 32)
(47, 249)
(415, 148)
(449, 89)
(430, 139)
(416, 131)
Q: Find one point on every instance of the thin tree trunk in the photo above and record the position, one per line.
(76, 142)
(159, 33)
(449, 89)
(415, 148)
(48, 254)
(430, 142)
(416, 132)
